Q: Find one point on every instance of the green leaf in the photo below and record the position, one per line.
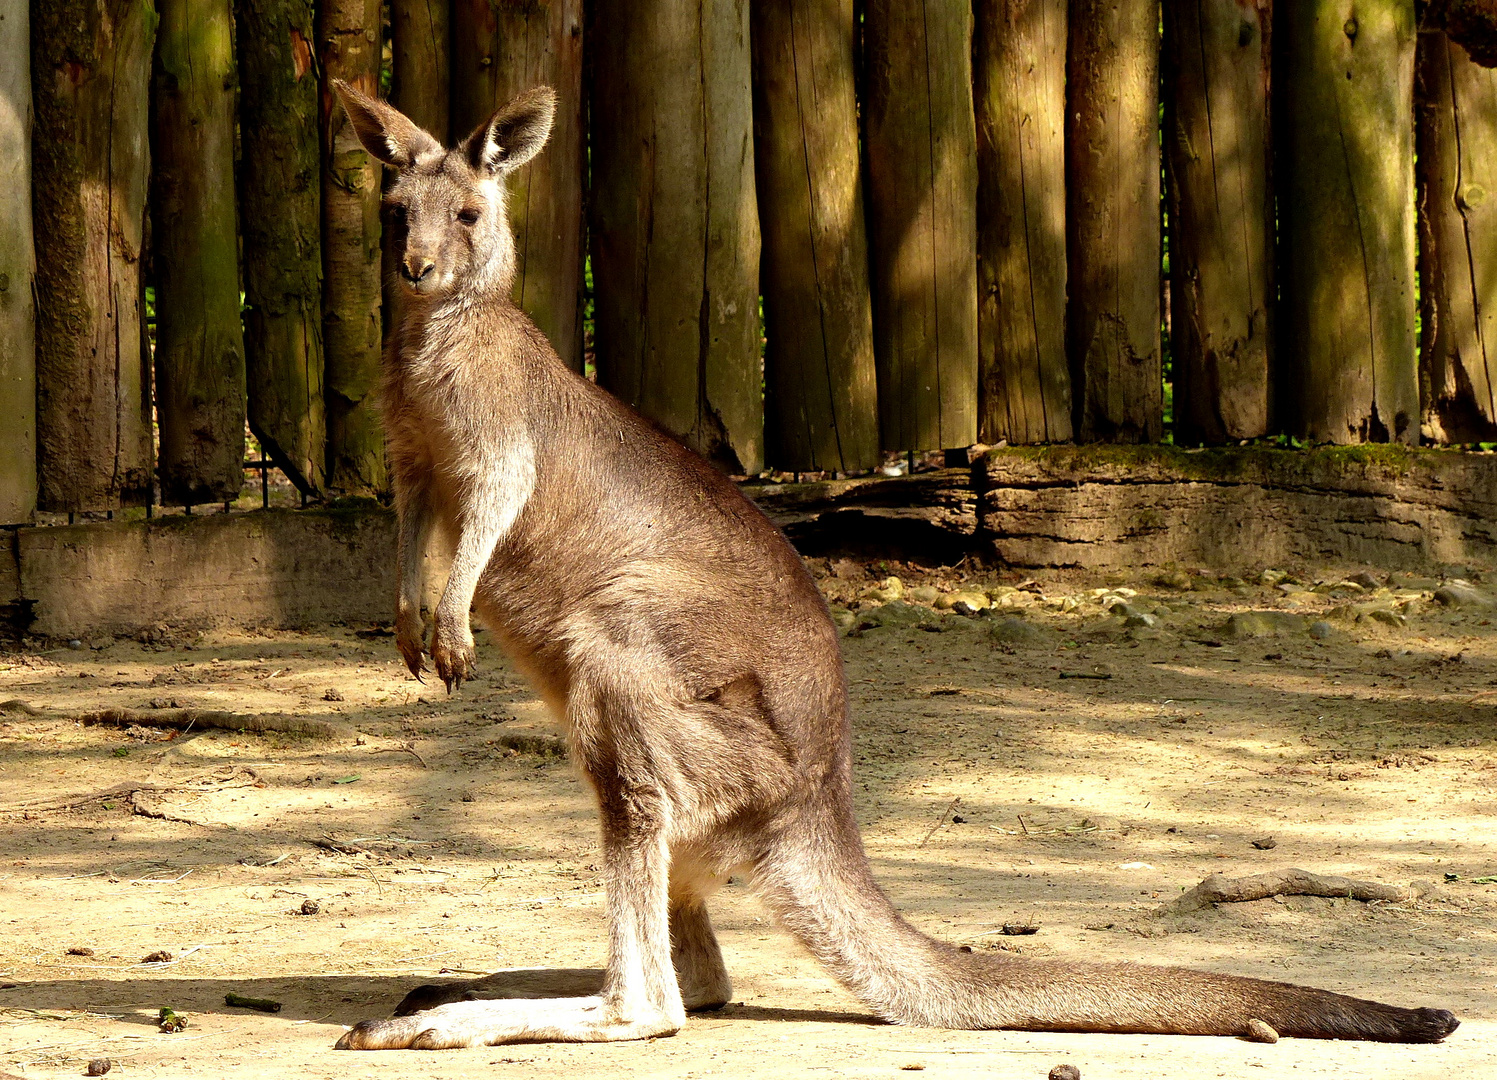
(347, 779)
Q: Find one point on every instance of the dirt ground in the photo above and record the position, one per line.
(1042, 763)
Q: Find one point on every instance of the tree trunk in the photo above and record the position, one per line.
(1346, 219)
(17, 266)
(280, 208)
(1456, 130)
(820, 391)
(1020, 80)
(920, 140)
(1221, 217)
(348, 39)
(504, 49)
(195, 256)
(420, 83)
(674, 230)
(1112, 220)
(91, 73)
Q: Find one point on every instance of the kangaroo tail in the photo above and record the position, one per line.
(820, 887)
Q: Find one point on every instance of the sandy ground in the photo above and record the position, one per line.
(995, 786)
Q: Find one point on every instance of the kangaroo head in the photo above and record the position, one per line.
(446, 209)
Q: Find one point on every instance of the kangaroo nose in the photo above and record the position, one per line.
(415, 270)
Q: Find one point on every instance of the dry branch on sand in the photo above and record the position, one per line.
(142, 796)
(1220, 889)
(188, 719)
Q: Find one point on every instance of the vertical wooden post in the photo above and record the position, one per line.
(1112, 220)
(91, 75)
(920, 141)
(1456, 142)
(195, 254)
(675, 234)
(280, 219)
(348, 41)
(420, 76)
(1345, 69)
(1216, 143)
(500, 51)
(1020, 80)
(821, 396)
(17, 310)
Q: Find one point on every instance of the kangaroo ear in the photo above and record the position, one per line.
(514, 134)
(383, 129)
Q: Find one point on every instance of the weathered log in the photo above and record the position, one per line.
(17, 266)
(214, 719)
(1112, 220)
(1347, 358)
(1456, 136)
(420, 79)
(1396, 508)
(420, 87)
(348, 41)
(1020, 79)
(920, 143)
(1220, 889)
(195, 255)
(1216, 152)
(821, 400)
(280, 218)
(91, 73)
(675, 235)
(501, 51)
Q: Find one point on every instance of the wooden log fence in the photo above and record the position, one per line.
(1112, 220)
(348, 48)
(280, 215)
(1346, 176)
(1024, 392)
(17, 266)
(199, 350)
(675, 233)
(820, 392)
(91, 65)
(920, 144)
(501, 51)
(1216, 153)
(815, 239)
(1457, 197)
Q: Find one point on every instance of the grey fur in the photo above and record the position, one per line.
(679, 636)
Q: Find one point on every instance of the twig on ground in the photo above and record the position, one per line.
(1220, 889)
(182, 719)
(938, 822)
(233, 777)
(327, 843)
(405, 748)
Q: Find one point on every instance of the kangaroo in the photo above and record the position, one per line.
(677, 634)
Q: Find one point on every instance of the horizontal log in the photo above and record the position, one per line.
(1099, 507)
(1394, 507)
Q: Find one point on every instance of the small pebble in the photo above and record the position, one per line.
(75, 643)
(98, 1067)
(1065, 1072)
(310, 907)
(1258, 1031)
(333, 694)
(80, 950)
(1265, 843)
(160, 956)
(913, 1066)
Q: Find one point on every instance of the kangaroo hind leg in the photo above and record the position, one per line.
(700, 971)
(640, 997)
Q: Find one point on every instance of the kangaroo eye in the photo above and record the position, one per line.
(467, 217)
